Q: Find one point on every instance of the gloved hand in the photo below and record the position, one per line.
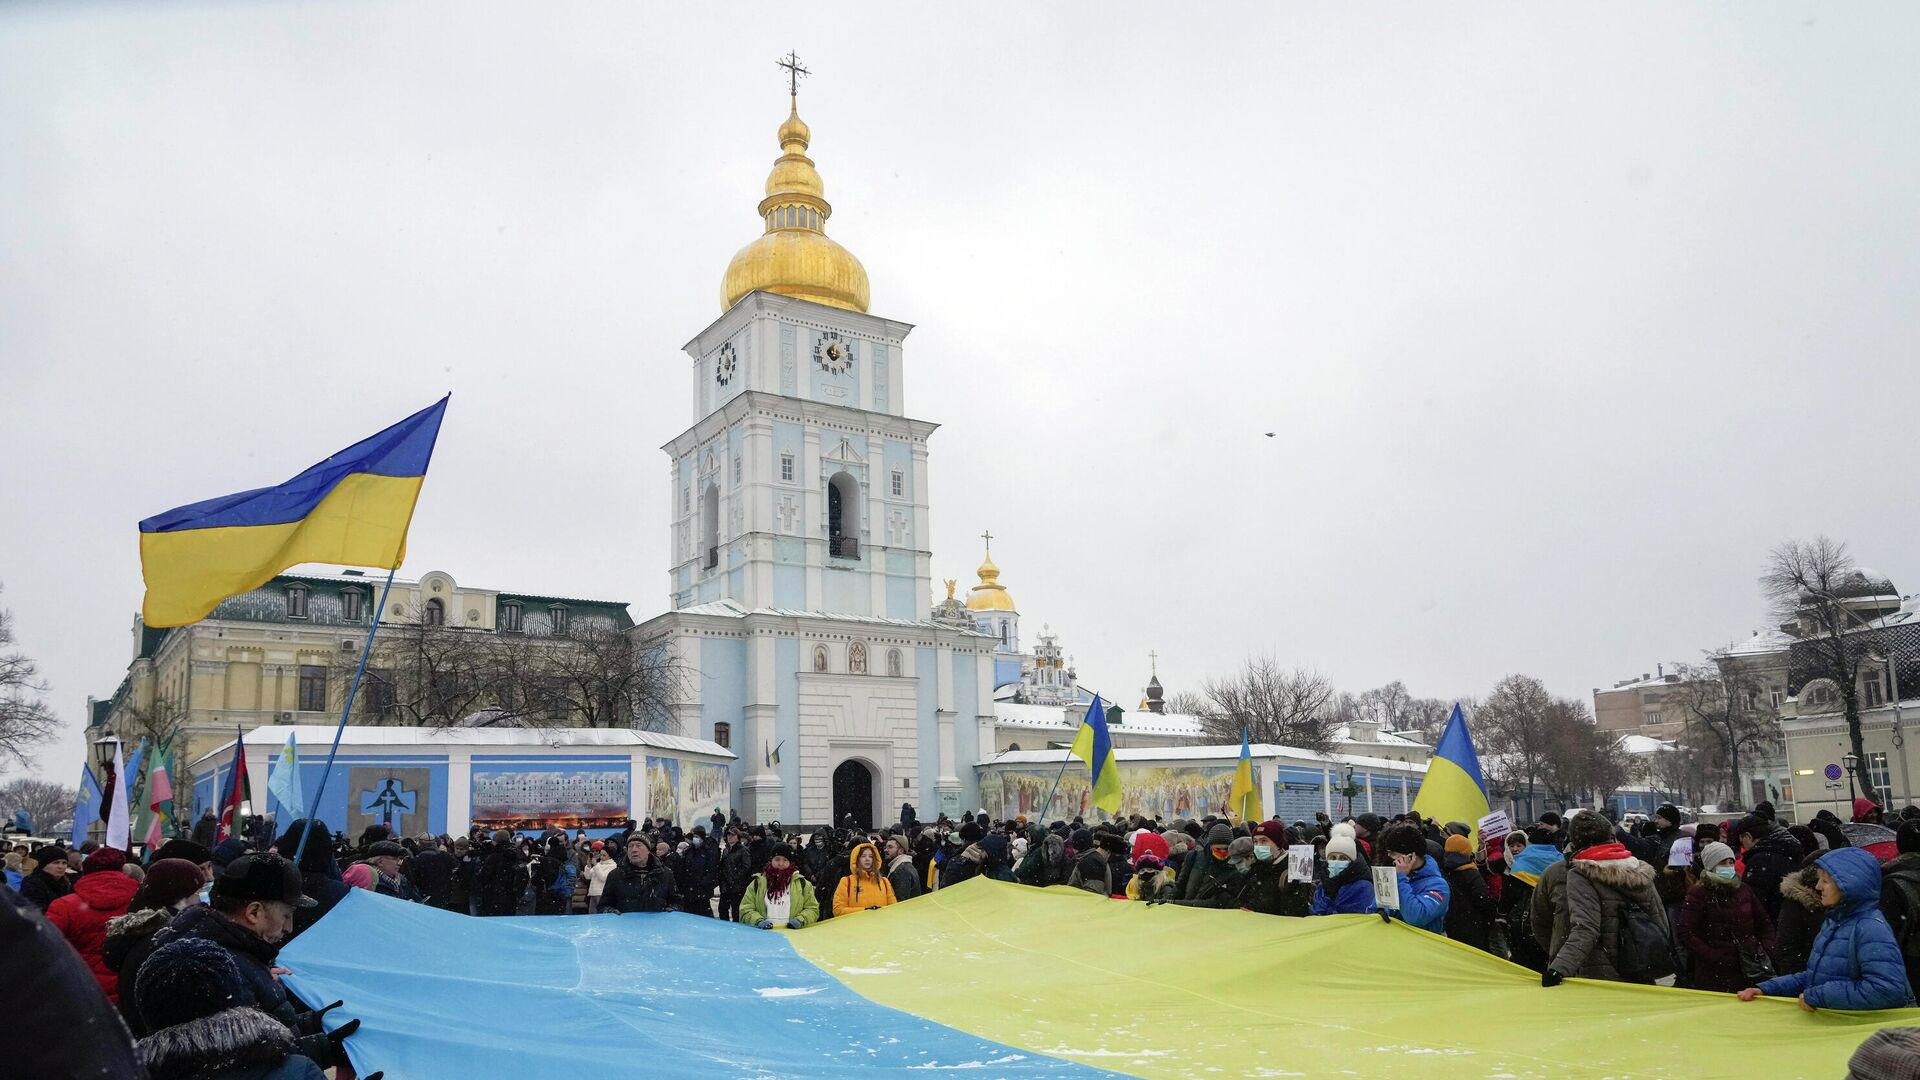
(337, 1040)
(794, 924)
(765, 924)
(1551, 977)
(320, 1017)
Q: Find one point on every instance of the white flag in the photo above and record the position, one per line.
(283, 783)
(118, 825)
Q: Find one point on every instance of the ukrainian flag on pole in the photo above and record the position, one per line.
(1094, 745)
(1243, 799)
(1454, 789)
(352, 508)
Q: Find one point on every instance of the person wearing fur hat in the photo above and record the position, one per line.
(206, 1025)
(1348, 886)
(1045, 862)
(1470, 911)
(864, 888)
(1424, 892)
(172, 886)
(1722, 925)
(1594, 886)
(778, 896)
(1855, 962)
(101, 895)
(47, 881)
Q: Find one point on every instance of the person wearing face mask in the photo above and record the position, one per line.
(1348, 887)
(1206, 874)
(1268, 890)
(1424, 893)
(1723, 926)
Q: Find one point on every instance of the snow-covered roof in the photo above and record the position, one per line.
(1067, 718)
(1344, 733)
(1215, 752)
(314, 738)
(1644, 744)
(730, 609)
(1761, 643)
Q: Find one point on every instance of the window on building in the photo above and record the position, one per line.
(843, 516)
(313, 688)
(710, 524)
(1777, 696)
(353, 603)
(786, 467)
(1877, 770)
(1653, 717)
(376, 694)
(1872, 692)
(297, 602)
(899, 482)
(558, 614)
(736, 469)
(434, 613)
(510, 614)
(1003, 633)
(723, 733)
(1819, 695)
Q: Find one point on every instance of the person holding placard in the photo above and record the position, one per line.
(1348, 888)
(1424, 893)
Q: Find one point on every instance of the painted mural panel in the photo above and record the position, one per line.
(703, 787)
(392, 795)
(571, 795)
(663, 788)
(1166, 792)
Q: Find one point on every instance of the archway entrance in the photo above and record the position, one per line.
(853, 794)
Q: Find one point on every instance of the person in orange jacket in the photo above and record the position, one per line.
(864, 888)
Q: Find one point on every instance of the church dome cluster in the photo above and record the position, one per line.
(794, 256)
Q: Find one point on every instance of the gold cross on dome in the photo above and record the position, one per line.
(791, 62)
(988, 537)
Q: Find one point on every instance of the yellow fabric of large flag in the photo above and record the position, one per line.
(1243, 798)
(352, 509)
(1094, 745)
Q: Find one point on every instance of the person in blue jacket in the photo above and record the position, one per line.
(1348, 889)
(1423, 889)
(1855, 962)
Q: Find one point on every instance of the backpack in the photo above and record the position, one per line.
(1909, 886)
(1641, 951)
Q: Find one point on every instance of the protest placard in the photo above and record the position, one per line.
(1300, 862)
(1386, 887)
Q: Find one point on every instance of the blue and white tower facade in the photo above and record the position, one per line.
(800, 568)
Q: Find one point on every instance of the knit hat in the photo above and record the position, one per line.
(1150, 844)
(49, 853)
(1550, 818)
(970, 833)
(170, 881)
(1220, 835)
(781, 851)
(1371, 823)
(1752, 825)
(104, 858)
(1275, 832)
(186, 979)
(1082, 840)
(599, 845)
(230, 849)
(1668, 813)
(1714, 854)
(1146, 864)
(180, 848)
(1459, 845)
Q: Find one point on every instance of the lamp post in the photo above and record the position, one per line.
(1346, 787)
(104, 749)
(1851, 762)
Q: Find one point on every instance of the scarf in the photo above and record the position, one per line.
(1604, 853)
(777, 880)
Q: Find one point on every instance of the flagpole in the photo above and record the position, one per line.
(313, 804)
(1064, 762)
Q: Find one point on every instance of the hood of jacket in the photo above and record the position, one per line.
(216, 1045)
(106, 890)
(1857, 873)
(1798, 891)
(135, 925)
(853, 862)
(1627, 873)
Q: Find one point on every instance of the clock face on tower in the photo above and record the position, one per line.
(724, 364)
(834, 356)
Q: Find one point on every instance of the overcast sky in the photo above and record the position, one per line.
(1561, 317)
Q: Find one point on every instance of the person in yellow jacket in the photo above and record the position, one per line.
(865, 887)
(778, 897)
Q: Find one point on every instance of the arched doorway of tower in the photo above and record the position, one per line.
(853, 793)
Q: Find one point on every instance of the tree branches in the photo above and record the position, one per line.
(26, 721)
(1288, 708)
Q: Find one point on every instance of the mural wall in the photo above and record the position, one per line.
(1168, 792)
(572, 795)
(663, 788)
(703, 787)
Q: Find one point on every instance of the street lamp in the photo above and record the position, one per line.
(1851, 762)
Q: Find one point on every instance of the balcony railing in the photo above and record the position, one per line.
(843, 547)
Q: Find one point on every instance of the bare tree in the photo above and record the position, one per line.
(1288, 708)
(1804, 582)
(1727, 709)
(597, 676)
(50, 805)
(26, 720)
(1580, 758)
(1513, 724)
(1188, 703)
(1685, 774)
(426, 674)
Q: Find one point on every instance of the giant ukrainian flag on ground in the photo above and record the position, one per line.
(352, 508)
(1094, 745)
(1453, 789)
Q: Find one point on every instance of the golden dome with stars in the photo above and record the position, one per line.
(794, 257)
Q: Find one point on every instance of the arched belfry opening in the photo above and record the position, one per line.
(843, 516)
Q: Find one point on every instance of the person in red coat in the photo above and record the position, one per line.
(1720, 918)
(100, 896)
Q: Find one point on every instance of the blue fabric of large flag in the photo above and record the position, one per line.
(1094, 745)
(353, 509)
(86, 805)
(664, 996)
(1453, 789)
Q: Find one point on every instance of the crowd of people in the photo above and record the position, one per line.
(184, 945)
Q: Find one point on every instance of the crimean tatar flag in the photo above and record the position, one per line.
(1243, 798)
(1453, 789)
(1094, 745)
(86, 805)
(283, 781)
(352, 508)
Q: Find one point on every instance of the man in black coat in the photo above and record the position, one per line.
(644, 884)
(48, 882)
(501, 877)
(432, 873)
(700, 867)
(1770, 854)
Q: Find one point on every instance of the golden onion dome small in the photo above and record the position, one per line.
(794, 256)
(989, 595)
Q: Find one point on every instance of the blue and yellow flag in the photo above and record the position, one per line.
(352, 508)
(1243, 798)
(1094, 745)
(1454, 789)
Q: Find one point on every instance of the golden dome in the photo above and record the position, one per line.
(794, 257)
(989, 595)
